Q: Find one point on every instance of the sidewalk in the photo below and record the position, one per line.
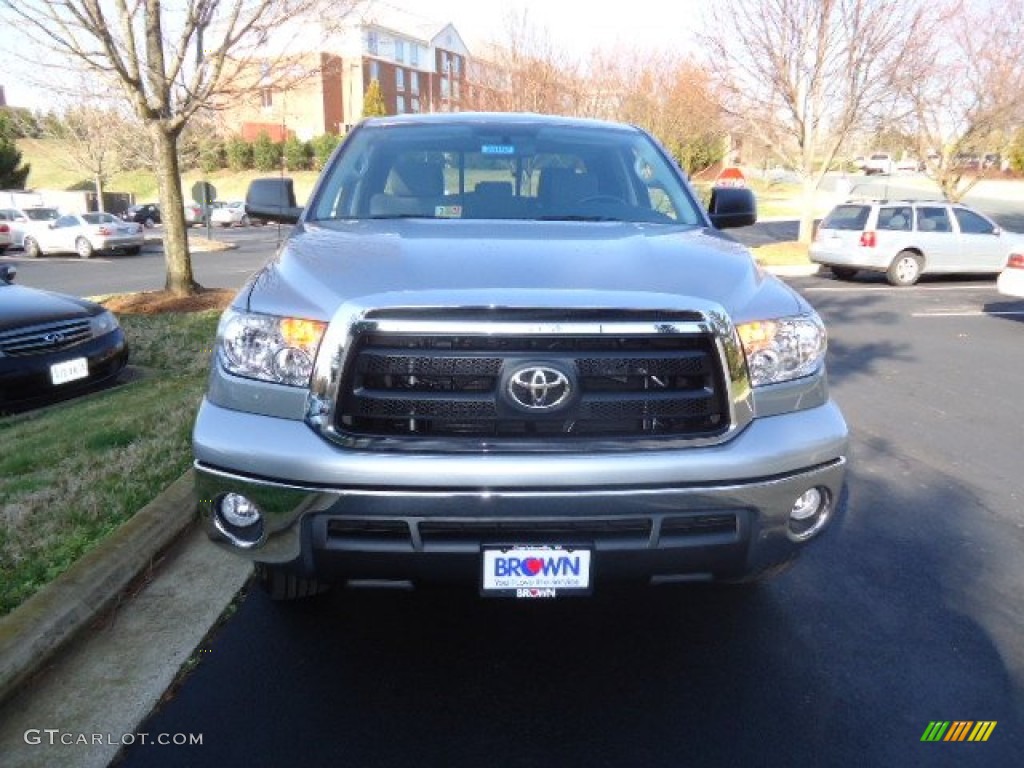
(84, 663)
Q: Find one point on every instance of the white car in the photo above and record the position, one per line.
(230, 215)
(6, 239)
(85, 234)
(25, 221)
(1011, 279)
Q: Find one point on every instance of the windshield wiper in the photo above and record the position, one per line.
(577, 217)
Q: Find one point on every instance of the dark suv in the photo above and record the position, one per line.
(147, 214)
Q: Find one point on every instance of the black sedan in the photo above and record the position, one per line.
(53, 345)
(147, 214)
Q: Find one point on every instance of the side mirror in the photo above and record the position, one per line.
(7, 273)
(272, 199)
(732, 207)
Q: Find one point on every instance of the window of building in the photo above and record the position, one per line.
(372, 41)
(400, 104)
(375, 70)
(414, 82)
(266, 98)
(414, 104)
(414, 54)
(456, 65)
(455, 89)
(400, 79)
(445, 90)
(400, 51)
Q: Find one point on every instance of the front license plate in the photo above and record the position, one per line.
(535, 572)
(69, 370)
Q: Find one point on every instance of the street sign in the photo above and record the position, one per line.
(204, 193)
(731, 177)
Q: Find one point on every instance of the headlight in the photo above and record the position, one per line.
(102, 324)
(269, 348)
(783, 349)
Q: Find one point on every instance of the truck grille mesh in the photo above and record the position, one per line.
(657, 385)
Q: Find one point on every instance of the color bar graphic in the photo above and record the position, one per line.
(958, 730)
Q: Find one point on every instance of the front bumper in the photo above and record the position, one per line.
(688, 513)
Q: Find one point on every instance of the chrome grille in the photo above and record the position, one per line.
(47, 337)
(451, 385)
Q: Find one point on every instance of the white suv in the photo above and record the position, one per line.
(905, 239)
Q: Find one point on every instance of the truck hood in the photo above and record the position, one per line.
(442, 263)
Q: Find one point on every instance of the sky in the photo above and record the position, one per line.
(580, 25)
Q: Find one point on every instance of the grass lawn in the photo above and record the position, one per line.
(74, 471)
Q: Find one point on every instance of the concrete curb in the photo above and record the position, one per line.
(35, 631)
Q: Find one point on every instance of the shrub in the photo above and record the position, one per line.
(212, 155)
(297, 154)
(266, 154)
(322, 146)
(239, 154)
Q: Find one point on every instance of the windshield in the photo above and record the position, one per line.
(504, 170)
(42, 214)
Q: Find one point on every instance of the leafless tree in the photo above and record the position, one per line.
(969, 89)
(525, 71)
(168, 61)
(801, 75)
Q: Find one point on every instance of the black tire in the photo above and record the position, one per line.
(905, 269)
(282, 584)
(149, 223)
(133, 251)
(84, 248)
(2, 249)
(844, 273)
(31, 247)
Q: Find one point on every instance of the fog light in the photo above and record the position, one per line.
(809, 514)
(239, 519)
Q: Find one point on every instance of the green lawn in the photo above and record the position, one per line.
(74, 471)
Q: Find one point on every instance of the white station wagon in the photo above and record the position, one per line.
(910, 238)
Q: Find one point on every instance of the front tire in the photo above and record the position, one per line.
(83, 248)
(31, 247)
(281, 584)
(149, 223)
(905, 269)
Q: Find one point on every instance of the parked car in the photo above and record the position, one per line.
(910, 238)
(230, 215)
(25, 221)
(908, 165)
(85, 234)
(878, 163)
(515, 354)
(6, 239)
(1011, 279)
(146, 214)
(195, 214)
(53, 345)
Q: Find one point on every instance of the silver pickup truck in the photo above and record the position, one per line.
(514, 352)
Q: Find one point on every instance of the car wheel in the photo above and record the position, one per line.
(133, 251)
(83, 248)
(282, 584)
(32, 250)
(149, 223)
(905, 269)
(844, 273)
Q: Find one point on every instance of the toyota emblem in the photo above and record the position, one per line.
(539, 388)
(54, 338)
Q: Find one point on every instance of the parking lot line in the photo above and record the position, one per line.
(971, 313)
(892, 288)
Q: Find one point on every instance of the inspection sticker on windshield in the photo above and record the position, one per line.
(447, 211)
(497, 149)
(532, 572)
(69, 370)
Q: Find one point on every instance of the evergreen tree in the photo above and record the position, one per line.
(13, 174)
(373, 102)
